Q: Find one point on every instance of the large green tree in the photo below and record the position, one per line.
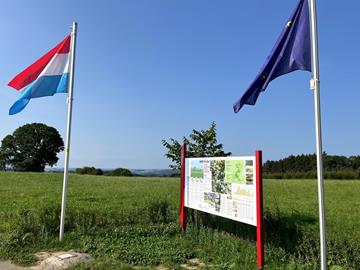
(30, 148)
(199, 144)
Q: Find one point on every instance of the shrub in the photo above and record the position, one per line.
(120, 172)
(89, 170)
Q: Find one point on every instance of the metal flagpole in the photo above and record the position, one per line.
(315, 85)
(68, 132)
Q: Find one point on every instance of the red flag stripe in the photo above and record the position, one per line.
(29, 74)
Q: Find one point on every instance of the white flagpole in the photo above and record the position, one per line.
(68, 132)
(315, 85)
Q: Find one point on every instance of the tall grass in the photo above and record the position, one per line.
(126, 222)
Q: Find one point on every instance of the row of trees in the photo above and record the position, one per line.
(304, 166)
(307, 163)
(204, 144)
(97, 171)
(33, 146)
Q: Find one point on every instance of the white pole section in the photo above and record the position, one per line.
(68, 131)
(316, 87)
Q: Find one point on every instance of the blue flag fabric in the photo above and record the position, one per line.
(291, 52)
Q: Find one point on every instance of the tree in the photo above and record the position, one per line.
(120, 172)
(201, 144)
(30, 148)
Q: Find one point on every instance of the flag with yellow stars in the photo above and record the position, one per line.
(291, 52)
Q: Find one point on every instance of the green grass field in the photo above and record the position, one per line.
(128, 222)
(198, 173)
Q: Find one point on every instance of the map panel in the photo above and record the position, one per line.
(222, 186)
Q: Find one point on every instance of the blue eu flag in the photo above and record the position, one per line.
(291, 52)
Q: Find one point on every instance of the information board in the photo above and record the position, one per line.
(223, 186)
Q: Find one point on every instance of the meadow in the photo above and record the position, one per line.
(198, 173)
(132, 223)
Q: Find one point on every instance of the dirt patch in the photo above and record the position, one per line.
(51, 261)
(193, 264)
(7, 265)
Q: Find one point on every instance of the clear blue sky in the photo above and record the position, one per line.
(151, 70)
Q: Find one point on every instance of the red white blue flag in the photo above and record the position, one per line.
(49, 75)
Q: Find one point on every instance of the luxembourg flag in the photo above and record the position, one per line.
(47, 76)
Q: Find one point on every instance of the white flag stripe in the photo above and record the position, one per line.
(58, 65)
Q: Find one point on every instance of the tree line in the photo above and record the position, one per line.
(204, 143)
(304, 166)
(97, 171)
(33, 146)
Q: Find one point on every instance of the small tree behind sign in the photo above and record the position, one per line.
(199, 144)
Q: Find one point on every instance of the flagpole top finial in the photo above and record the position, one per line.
(74, 27)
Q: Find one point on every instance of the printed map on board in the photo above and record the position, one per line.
(222, 186)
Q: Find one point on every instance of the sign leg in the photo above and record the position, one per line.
(259, 211)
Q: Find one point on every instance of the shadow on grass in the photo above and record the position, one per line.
(281, 230)
(286, 230)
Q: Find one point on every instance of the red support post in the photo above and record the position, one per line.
(259, 210)
(182, 214)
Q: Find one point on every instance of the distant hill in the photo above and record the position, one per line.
(153, 172)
